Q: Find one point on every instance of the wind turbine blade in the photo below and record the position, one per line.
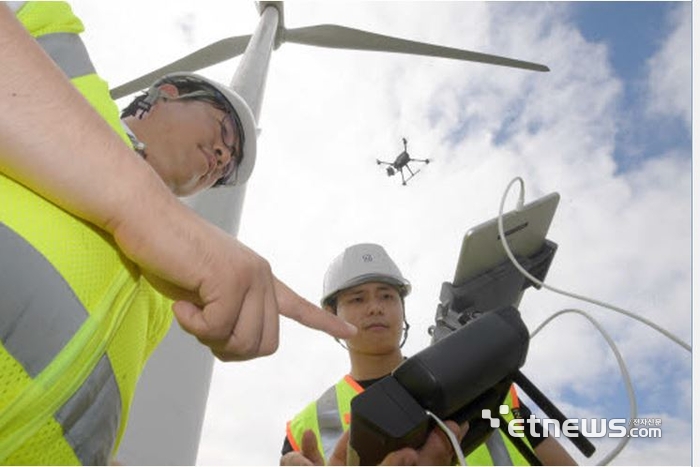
(202, 58)
(341, 37)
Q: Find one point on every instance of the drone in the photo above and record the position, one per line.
(401, 162)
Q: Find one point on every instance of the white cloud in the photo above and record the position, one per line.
(561, 138)
(670, 70)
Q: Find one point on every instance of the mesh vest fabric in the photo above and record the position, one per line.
(87, 259)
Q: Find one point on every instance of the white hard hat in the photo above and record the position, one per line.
(359, 264)
(240, 111)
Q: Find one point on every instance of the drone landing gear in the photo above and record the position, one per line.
(404, 180)
(413, 174)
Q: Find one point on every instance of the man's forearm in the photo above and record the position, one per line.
(56, 144)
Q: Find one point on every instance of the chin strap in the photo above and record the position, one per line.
(139, 146)
(405, 332)
(341, 343)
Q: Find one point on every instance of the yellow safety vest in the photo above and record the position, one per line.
(329, 418)
(77, 319)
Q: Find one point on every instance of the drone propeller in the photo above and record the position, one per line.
(326, 35)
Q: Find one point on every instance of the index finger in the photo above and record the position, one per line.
(304, 312)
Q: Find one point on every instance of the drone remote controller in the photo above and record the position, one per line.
(454, 379)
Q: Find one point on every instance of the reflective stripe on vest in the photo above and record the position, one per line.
(60, 346)
(327, 417)
(34, 329)
(497, 449)
(333, 422)
(68, 52)
(330, 425)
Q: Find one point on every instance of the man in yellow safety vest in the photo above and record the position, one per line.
(95, 246)
(364, 286)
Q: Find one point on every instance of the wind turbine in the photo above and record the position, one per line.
(180, 370)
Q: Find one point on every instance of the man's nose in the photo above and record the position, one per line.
(376, 307)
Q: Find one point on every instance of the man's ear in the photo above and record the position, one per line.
(168, 90)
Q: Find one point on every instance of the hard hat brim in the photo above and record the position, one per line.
(403, 286)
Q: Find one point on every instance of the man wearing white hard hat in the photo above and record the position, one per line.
(365, 287)
(194, 132)
(97, 253)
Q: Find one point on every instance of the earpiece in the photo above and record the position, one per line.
(144, 105)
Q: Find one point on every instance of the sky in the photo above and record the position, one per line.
(608, 128)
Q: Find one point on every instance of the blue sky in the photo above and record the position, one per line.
(608, 128)
(630, 30)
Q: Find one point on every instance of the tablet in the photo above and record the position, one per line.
(525, 230)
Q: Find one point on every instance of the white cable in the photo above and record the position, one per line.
(451, 436)
(677, 340)
(623, 370)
